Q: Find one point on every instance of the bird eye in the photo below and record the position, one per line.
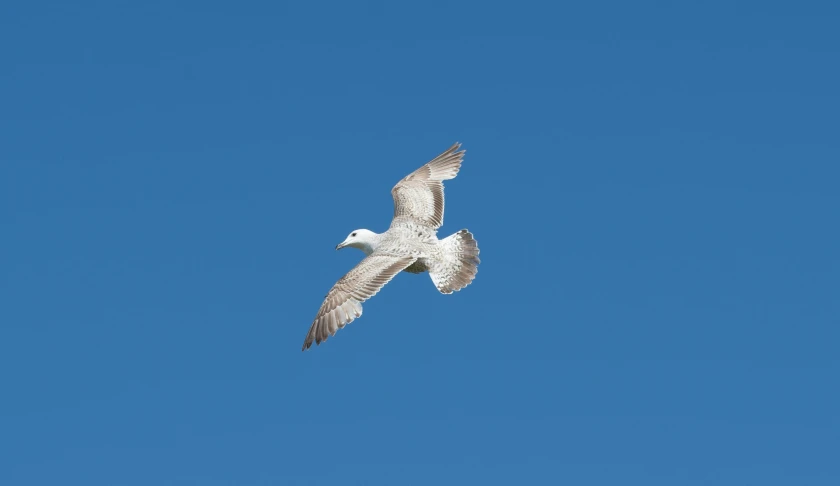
(353, 234)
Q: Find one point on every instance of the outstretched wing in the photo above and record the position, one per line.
(343, 303)
(419, 197)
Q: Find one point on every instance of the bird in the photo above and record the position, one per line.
(409, 245)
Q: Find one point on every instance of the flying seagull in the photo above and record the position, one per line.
(410, 245)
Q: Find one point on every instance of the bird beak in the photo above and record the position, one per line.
(340, 246)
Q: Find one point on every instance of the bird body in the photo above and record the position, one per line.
(409, 245)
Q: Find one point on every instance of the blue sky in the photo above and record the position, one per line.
(653, 186)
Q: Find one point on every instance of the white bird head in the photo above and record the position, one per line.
(362, 239)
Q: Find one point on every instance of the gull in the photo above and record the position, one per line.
(409, 245)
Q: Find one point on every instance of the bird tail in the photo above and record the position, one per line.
(459, 263)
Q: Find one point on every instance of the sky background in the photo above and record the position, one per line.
(653, 186)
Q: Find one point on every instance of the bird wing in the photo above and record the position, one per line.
(343, 303)
(419, 196)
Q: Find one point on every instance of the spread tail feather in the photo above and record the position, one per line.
(459, 263)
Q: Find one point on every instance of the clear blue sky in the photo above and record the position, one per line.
(653, 185)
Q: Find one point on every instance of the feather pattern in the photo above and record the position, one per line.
(343, 303)
(410, 244)
(419, 196)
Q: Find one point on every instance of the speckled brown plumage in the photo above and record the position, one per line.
(410, 244)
